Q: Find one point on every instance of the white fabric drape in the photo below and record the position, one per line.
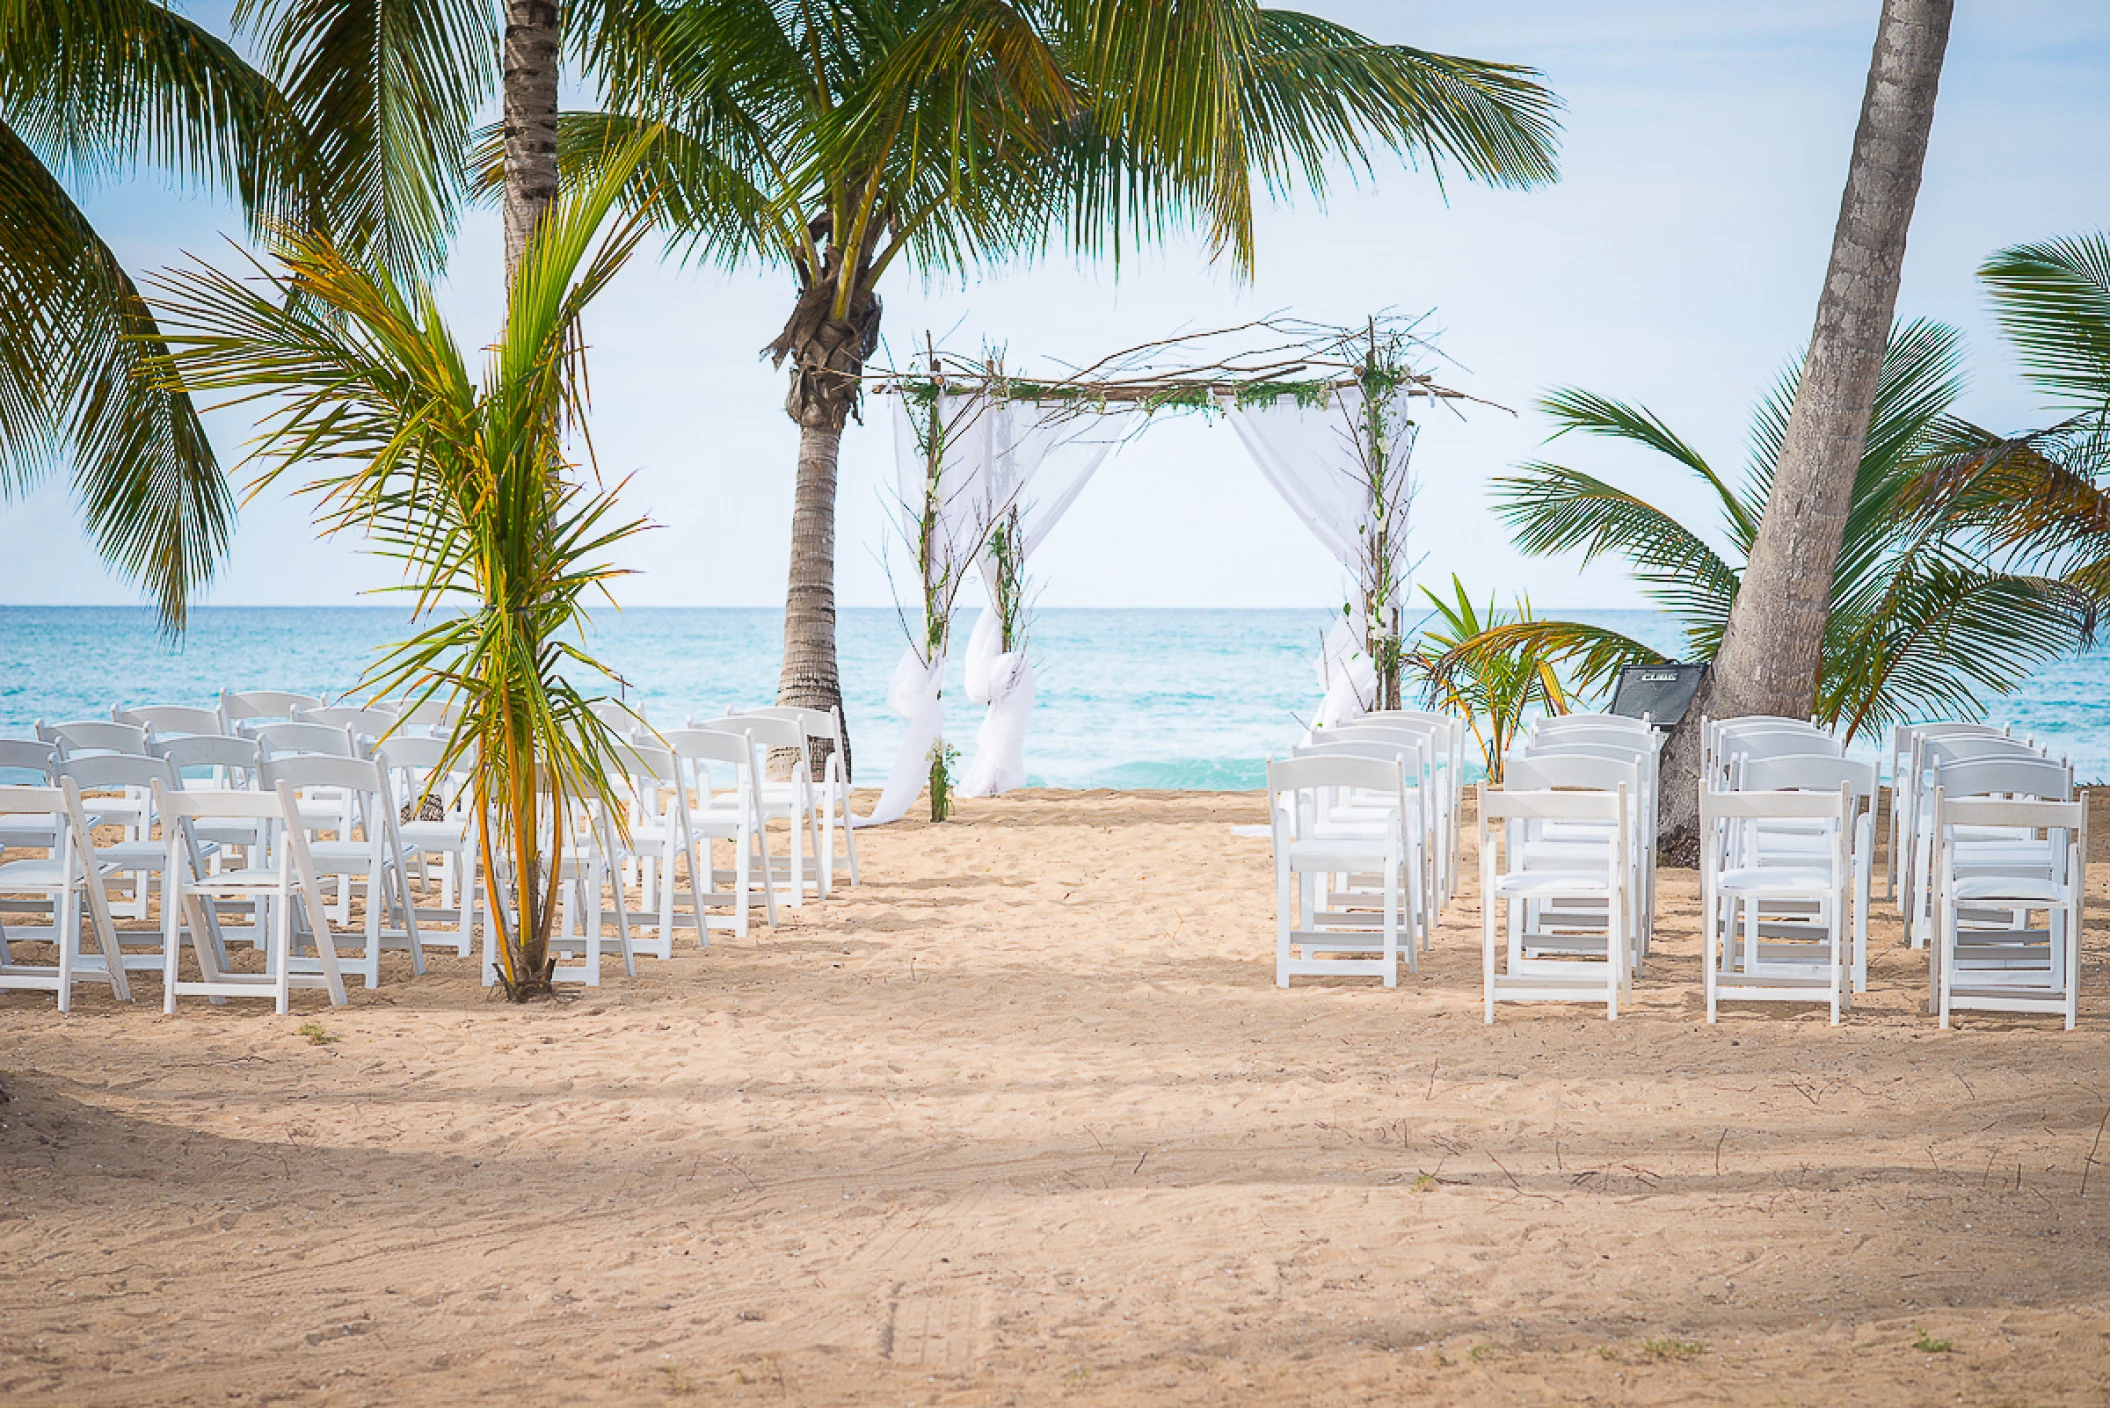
(1044, 455)
(962, 505)
(1319, 460)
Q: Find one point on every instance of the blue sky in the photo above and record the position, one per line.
(1676, 264)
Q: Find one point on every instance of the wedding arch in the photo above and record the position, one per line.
(987, 463)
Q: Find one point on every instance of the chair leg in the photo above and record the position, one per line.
(1283, 911)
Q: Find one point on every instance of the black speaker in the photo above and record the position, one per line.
(1661, 692)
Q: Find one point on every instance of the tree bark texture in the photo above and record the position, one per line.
(1770, 652)
(810, 679)
(827, 356)
(532, 40)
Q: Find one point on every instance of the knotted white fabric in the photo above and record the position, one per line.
(1320, 459)
(1045, 453)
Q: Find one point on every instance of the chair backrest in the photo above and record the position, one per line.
(417, 752)
(1327, 770)
(818, 723)
(1745, 748)
(222, 754)
(169, 720)
(1542, 772)
(266, 704)
(413, 712)
(1630, 740)
(369, 724)
(768, 731)
(1617, 723)
(618, 715)
(301, 771)
(2037, 815)
(1562, 746)
(2002, 777)
(94, 736)
(327, 740)
(1835, 804)
(1808, 772)
(104, 771)
(1410, 754)
(716, 745)
(1512, 803)
(1941, 752)
(62, 800)
(33, 760)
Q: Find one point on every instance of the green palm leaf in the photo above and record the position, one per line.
(2053, 302)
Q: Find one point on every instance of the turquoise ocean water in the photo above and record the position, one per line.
(1127, 698)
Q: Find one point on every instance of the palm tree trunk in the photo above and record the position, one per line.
(810, 678)
(1771, 650)
(531, 49)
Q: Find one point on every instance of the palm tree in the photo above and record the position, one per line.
(1492, 690)
(1918, 623)
(2043, 498)
(1772, 647)
(465, 479)
(840, 138)
(92, 89)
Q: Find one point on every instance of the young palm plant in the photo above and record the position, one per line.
(1492, 690)
(466, 480)
(1921, 624)
(841, 138)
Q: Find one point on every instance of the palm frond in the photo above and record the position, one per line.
(387, 91)
(78, 394)
(2053, 302)
(100, 88)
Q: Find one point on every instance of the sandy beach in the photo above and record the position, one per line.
(1024, 1120)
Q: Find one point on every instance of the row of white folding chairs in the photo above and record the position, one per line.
(1619, 739)
(1332, 915)
(284, 849)
(1929, 749)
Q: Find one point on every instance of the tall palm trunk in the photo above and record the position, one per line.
(1768, 660)
(827, 352)
(530, 72)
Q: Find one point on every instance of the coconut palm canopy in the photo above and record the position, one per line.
(1922, 623)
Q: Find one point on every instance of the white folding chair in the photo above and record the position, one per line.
(833, 792)
(1789, 842)
(1317, 941)
(732, 814)
(1735, 881)
(1344, 813)
(130, 776)
(791, 800)
(1588, 881)
(1932, 752)
(1904, 739)
(414, 767)
(363, 850)
(62, 882)
(1571, 926)
(2010, 963)
(280, 885)
(660, 845)
(1437, 781)
(1639, 751)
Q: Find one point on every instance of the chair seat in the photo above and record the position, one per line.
(1341, 853)
(434, 835)
(2025, 888)
(1527, 883)
(1781, 879)
(44, 874)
